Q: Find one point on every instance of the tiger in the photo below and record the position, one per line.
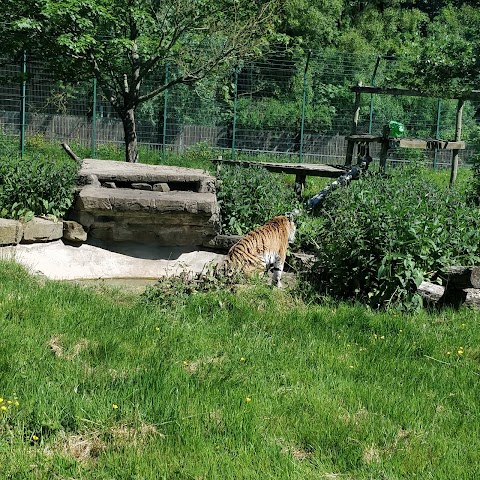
(264, 247)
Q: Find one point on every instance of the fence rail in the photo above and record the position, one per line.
(295, 107)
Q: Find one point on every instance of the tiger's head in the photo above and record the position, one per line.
(292, 226)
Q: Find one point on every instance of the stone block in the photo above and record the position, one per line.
(141, 186)
(42, 230)
(74, 232)
(161, 187)
(11, 231)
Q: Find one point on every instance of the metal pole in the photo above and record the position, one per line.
(371, 96)
(23, 105)
(303, 106)
(94, 118)
(165, 106)
(437, 135)
(234, 127)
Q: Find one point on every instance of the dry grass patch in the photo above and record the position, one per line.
(134, 435)
(81, 447)
(55, 344)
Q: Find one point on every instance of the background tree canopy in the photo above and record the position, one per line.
(126, 45)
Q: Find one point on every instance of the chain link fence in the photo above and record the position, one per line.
(286, 106)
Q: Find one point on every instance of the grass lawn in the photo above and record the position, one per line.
(252, 384)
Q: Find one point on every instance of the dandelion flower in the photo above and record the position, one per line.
(248, 399)
(3, 407)
(460, 351)
(9, 402)
(242, 359)
(114, 406)
(449, 353)
(1, 400)
(34, 438)
(16, 403)
(185, 362)
(157, 329)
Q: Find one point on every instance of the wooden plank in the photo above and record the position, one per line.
(472, 95)
(426, 144)
(309, 169)
(365, 138)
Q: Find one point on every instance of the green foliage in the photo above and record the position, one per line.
(445, 62)
(381, 236)
(249, 197)
(35, 185)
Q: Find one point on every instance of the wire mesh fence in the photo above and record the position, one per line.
(295, 107)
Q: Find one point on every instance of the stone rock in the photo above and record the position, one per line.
(161, 187)
(141, 186)
(174, 218)
(125, 172)
(223, 242)
(11, 231)
(42, 230)
(89, 179)
(74, 232)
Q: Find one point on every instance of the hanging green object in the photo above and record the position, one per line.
(397, 129)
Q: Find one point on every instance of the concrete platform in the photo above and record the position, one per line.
(58, 261)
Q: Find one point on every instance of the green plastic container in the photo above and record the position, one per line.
(397, 129)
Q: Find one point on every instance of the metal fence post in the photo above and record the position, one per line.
(437, 135)
(165, 106)
(94, 119)
(234, 127)
(23, 104)
(302, 128)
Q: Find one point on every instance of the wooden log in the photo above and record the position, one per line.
(71, 154)
(461, 277)
(431, 292)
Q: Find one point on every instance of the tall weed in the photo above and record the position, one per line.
(35, 185)
(249, 197)
(381, 236)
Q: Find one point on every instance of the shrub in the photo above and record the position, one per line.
(35, 185)
(380, 237)
(249, 197)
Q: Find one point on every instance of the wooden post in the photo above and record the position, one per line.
(351, 143)
(300, 184)
(458, 134)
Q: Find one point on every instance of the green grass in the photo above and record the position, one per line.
(221, 385)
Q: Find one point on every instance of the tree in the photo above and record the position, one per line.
(126, 43)
(445, 62)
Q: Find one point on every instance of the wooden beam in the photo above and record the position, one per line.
(458, 133)
(426, 144)
(410, 142)
(353, 131)
(305, 169)
(472, 95)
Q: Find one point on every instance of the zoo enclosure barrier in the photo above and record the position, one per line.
(296, 107)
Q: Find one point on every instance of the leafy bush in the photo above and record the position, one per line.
(35, 185)
(380, 237)
(249, 197)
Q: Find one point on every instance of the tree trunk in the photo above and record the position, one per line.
(131, 144)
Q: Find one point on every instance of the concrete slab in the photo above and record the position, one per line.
(58, 261)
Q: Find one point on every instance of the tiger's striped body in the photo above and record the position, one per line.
(264, 247)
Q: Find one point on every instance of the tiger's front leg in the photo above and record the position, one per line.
(277, 271)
